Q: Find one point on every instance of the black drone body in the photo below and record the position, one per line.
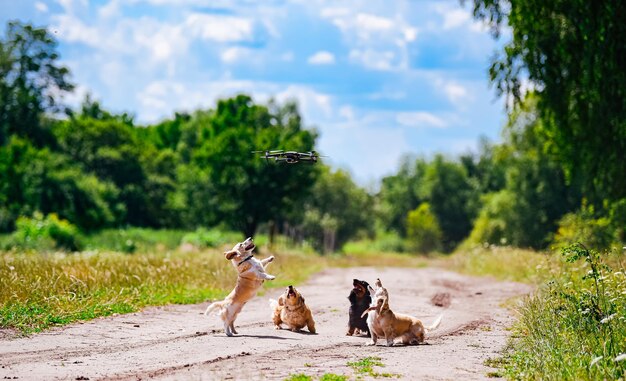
(290, 157)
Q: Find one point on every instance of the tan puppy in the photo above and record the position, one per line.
(291, 310)
(251, 276)
(383, 322)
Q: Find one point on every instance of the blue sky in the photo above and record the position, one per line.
(377, 79)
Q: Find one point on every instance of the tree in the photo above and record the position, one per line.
(574, 53)
(525, 212)
(448, 189)
(423, 231)
(398, 195)
(31, 82)
(248, 190)
(336, 211)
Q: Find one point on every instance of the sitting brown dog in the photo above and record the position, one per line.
(383, 322)
(291, 310)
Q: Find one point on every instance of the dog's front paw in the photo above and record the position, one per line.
(370, 343)
(270, 258)
(270, 277)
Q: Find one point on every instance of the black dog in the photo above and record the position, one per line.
(360, 300)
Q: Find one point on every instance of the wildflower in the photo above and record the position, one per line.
(595, 360)
(607, 319)
(621, 357)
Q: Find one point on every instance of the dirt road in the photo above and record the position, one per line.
(179, 343)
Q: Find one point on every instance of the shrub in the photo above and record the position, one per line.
(582, 226)
(210, 238)
(423, 231)
(575, 327)
(41, 232)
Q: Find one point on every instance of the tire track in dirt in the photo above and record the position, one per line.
(180, 343)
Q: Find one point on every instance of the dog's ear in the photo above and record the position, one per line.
(281, 301)
(301, 299)
(230, 254)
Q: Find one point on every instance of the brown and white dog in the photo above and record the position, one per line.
(251, 273)
(291, 310)
(383, 322)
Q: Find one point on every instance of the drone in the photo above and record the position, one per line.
(290, 157)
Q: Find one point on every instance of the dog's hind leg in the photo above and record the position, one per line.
(310, 324)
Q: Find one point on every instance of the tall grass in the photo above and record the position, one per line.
(42, 288)
(574, 326)
(39, 291)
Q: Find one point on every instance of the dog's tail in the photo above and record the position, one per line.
(435, 324)
(213, 306)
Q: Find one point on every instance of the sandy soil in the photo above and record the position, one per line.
(180, 343)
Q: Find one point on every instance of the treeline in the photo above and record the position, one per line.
(98, 169)
(551, 180)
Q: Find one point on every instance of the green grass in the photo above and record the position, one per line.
(504, 263)
(365, 367)
(299, 377)
(574, 326)
(39, 291)
(47, 288)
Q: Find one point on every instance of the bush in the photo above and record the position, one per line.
(131, 240)
(596, 232)
(574, 327)
(211, 238)
(41, 232)
(423, 232)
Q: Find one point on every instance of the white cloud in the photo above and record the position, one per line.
(375, 59)
(454, 92)
(322, 58)
(455, 17)
(219, 28)
(376, 42)
(372, 23)
(420, 119)
(71, 29)
(234, 54)
(41, 7)
(312, 103)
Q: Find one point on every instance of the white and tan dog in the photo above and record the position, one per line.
(251, 276)
(383, 322)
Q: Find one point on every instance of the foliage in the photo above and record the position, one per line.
(423, 231)
(573, 53)
(134, 240)
(31, 82)
(204, 238)
(337, 210)
(582, 226)
(41, 233)
(444, 184)
(534, 196)
(249, 191)
(574, 328)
